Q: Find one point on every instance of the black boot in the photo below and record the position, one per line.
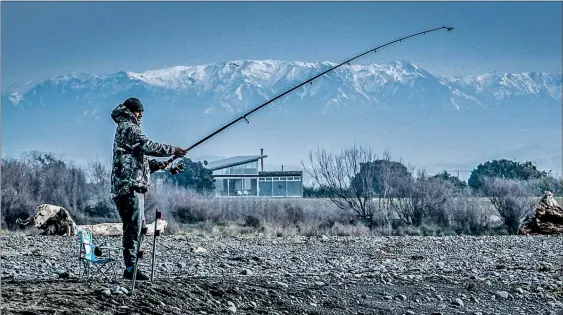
(128, 274)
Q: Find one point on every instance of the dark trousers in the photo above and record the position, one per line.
(131, 209)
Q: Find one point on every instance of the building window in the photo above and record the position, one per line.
(279, 189)
(221, 188)
(266, 188)
(250, 187)
(294, 188)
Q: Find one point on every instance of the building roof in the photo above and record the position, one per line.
(280, 173)
(233, 161)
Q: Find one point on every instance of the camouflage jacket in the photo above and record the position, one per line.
(131, 167)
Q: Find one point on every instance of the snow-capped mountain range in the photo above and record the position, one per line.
(347, 102)
(233, 84)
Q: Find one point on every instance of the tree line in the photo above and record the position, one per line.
(37, 178)
(380, 171)
(381, 191)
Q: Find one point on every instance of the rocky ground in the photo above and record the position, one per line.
(296, 275)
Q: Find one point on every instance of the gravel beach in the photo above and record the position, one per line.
(295, 275)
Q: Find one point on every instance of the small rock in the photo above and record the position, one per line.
(545, 267)
(325, 238)
(246, 272)
(64, 275)
(122, 289)
(410, 312)
(388, 297)
(402, 297)
(116, 290)
(106, 292)
(502, 294)
(197, 249)
(232, 307)
(319, 283)
(458, 301)
(519, 290)
(282, 284)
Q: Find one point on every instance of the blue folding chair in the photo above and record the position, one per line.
(94, 259)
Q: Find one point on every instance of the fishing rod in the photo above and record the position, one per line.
(374, 50)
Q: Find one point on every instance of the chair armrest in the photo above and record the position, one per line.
(111, 248)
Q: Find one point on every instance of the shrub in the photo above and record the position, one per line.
(468, 216)
(252, 221)
(511, 199)
(103, 209)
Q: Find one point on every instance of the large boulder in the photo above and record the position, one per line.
(548, 218)
(53, 220)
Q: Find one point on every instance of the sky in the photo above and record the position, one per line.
(41, 40)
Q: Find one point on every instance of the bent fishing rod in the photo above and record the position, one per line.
(373, 50)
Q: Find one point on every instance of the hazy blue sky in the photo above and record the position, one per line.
(46, 39)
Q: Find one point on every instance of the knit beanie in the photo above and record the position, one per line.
(133, 104)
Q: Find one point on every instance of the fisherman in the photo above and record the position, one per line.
(130, 175)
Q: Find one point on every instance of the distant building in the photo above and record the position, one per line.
(240, 176)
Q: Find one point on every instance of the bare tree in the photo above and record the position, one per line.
(422, 199)
(391, 177)
(349, 182)
(467, 213)
(511, 199)
(99, 178)
(99, 173)
(385, 174)
(18, 200)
